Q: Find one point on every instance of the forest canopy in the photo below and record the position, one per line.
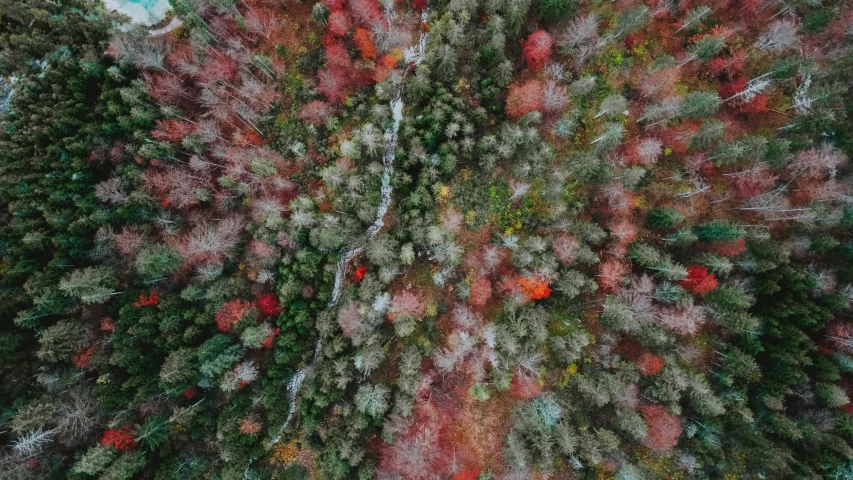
(427, 239)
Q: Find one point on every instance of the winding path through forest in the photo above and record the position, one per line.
(413, 55)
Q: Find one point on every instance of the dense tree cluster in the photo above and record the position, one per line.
(415, 240)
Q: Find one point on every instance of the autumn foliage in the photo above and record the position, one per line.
(664, 429)
(610, 274)
(537, 49)
(231, 313)
(534, 288)
(699, 281)
(268, 304)
(151, 299)
(359, 273)
(728, 249)
(364, 42)
(523, 99)
(649, 364)
(481, 291)
(524, 386)
(122, 440)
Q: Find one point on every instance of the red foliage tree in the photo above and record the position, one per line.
(107, 325)
(481, 291)
(623, 232)
(610, 274)
(350, 319)
(366, 12)
(337, 56)
(315, 112)
(523, 99)
(729, 89)
(219, 68)
(664, 429)
(565, 248)
(407, 304)
(757, 105)
(121, 440)
(151, 299)
(338, 23)
(524, 386)
(190, 392)
(840, 335)
(728, 249)
(419, 5)
(268, 304)
(467, 474)
(359, 273)
(728, 66)
(537, 49)
(82, 358)
(699, 281)
(534, 288)
(333, 84)
(267, 343)
(172, 130)
(364, 42)
(231, 313)
(649, 364)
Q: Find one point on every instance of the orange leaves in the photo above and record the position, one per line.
(364, 42)
(523, 99)
(82, 358)
(534, 288)
(649, 364)
(359, 273)
(469, 474)
(152, 299)
(231, 313)
(250, 425)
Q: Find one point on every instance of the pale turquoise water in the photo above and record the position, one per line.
(141, 11)
(146, 4)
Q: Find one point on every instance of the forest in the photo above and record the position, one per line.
(427, 240)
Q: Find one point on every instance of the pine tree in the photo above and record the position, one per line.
(372, 400)
(663, 218)
(700, 104)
